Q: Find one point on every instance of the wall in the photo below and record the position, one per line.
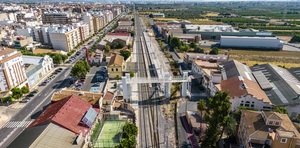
(59, 41)
(254, 42)
(112, 73)
(236, 101)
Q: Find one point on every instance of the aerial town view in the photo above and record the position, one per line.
(150, 74)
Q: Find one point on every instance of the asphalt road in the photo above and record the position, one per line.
(19, 122)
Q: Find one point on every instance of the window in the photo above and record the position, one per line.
(116, 69)
(252, 105)
(270, 122)
(112, 69)
(247, 104)
(283, 140)
(277, 123)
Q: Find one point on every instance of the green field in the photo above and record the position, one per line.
(110, 135)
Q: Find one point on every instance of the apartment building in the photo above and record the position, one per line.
(55, 18)
(65, 39)
(22, 41)
(88, 18)
(261, 129)
(12, 72)
(98, 21)
(38, 33)
(83, 30)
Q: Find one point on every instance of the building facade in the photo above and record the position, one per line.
(55, 18)
(37, 67)
(12, 71)
(65, 39)
(115, 66)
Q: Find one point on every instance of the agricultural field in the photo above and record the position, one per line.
(252, 57)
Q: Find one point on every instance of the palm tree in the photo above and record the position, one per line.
(201, 106)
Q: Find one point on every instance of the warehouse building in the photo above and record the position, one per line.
(214, 32)
(267, 43)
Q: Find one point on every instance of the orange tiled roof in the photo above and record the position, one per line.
(235, 88)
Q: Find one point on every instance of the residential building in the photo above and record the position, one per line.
(65, 39)
(243, 92)
(36, 68)
(115, 66)
(70, 119)
(114, 37)
(12, 71)
(107, 101)
(22, 41)
(125, 18)
(55, 18)
(267, 129)
(206, 69)
(83, 30)
(95, 57)
(88, 18)
(38, 33)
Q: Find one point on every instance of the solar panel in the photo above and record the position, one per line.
(89, 117)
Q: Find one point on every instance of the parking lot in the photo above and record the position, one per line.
(95, 78)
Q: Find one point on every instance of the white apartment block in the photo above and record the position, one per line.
(65, 39)
(12, 71)
(88, 18)
(83, 30)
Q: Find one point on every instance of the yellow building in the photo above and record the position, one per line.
(115, 66)
(267, 129)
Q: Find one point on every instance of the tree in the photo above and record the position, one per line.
(63, 57)
(132, 33)
(199, 50)
(216, 115)
(57, 59)
(80, 69)
(201, 106)
(169, 39)
(16, 93)
(24, 90)
(214, 51)
(131, 74)
(295, 39)
(151, 15)
(125, 53)
(129, 129)
(107, 48)
(280, 109)
(184, 48)
(127, 143)
(175, 42)
(193, 45)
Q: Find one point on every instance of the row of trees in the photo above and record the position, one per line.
(128, 138)
(17, 93)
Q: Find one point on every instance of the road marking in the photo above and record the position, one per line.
(17, 124)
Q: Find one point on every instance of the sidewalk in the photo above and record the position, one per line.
(7, 112)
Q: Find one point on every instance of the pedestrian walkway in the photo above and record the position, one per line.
(17, 124)
(17, 105)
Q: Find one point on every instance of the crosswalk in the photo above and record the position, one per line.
(17, 124)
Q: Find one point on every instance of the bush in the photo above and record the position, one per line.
(214, 51)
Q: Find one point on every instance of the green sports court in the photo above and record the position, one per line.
(111, 134)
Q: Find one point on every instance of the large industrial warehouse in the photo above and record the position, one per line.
(268, 43)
